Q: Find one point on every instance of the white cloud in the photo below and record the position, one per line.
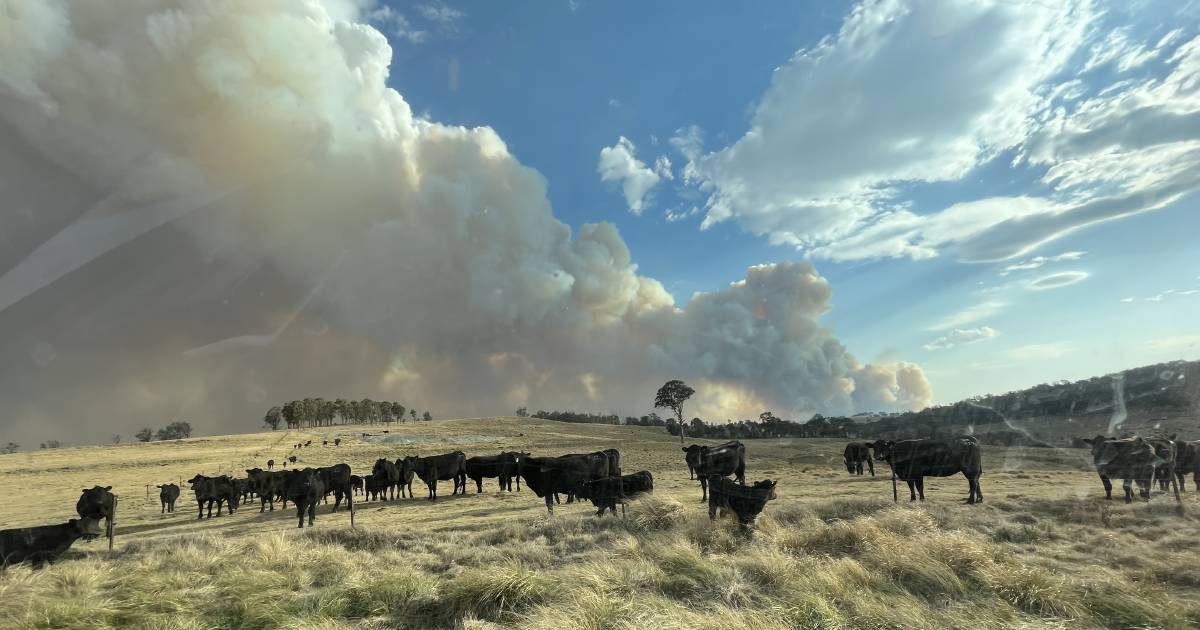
(396, 24)
(925, 92)
(961, 336)
(619, 163)
(1039, 261)
(970, 314)
(1175, 344)
(445, 16)
(678, 215)
(1126, 300)
(662, 167)
(1057, 280)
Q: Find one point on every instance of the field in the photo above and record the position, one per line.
(833, 551)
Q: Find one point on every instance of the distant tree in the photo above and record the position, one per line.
(175, 431)
(671, 396)
(426, 417)
(51, 444)
(291, 414)
(145, 435)
(274, 417)
(522, 412)
(116, 438)
(398, 411)
(10, 448)
(340, 408)
(413, 413)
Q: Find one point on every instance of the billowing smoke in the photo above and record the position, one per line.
(214, 206)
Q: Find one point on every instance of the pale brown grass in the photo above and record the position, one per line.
(1044, 551)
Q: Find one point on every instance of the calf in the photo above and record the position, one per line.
(1187, 461)
(723, 460)
(268, 485)
(855, 454)
(1130, 459)
(1164, 461)
(304, 488)
(691, 455)
(167, 494)
(389, 475)
(405, 466)
(913, 460)
(44, 544)
(608, 492)
(356, 482)
(511, 470)
(746, 502)
(96, 503)
(376, 487)
(209, 490)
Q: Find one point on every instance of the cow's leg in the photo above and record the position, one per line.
(1127, 485)
(871, 466)
(550, 503)
(921, 487)
(312, 513)
(1179, 476)
(1107, 487)
(691, 473)
(200, 510)
(300, 515)
(912, 489)
(703, 489)
(478, 485)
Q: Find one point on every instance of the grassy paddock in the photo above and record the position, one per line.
(1044, 550)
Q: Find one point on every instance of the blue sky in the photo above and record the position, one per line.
(561, 81)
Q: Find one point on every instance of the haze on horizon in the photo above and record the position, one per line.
(214, 207)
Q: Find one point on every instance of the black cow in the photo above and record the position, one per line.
(855, 454)
(291, 458)
(337, 442)
(549, 476)
(96, 503)
(268, 485)
(376, 487)
(1130, 459)
(691, 455)
(167, 494)
(270, 464)
(746, 502)
(388, 474)
(405, 466)
(511, 470)
(499, 467)
(723, 460)
(600, 465)
(441, 468)
(337, 480)
(913, 460)
(209, 490)
(356, 482)
(1187, 461)
(244, 489)
(608, 492)
(1164, 464)
(44, 544)
(304, 488)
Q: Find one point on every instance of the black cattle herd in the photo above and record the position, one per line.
(595, 477)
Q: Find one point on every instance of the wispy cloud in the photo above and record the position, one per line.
(396, 24)
(1040, 261)
(619, 163)
(1057, 280)
(1183, 342)
(969, 315)
(961, 337)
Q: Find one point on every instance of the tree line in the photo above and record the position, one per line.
(174, 431)
(319, 412)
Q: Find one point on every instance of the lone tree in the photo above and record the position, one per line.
(274, 417)
(145, 435)
(10, 448)
(671, 396)
(427, 417)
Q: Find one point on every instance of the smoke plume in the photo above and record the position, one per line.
(211, 207)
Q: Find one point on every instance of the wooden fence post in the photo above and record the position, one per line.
(112, 524)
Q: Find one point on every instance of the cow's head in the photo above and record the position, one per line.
(883, 449)
(95, 502)
(196, 480)
(86, 528)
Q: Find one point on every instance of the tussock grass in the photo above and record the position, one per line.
(829, 553)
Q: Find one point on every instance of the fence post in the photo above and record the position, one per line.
(112, 524)
(351, 500)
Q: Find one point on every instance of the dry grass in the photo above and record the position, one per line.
(1044, 551)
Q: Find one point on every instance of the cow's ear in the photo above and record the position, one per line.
(1086, 440)
(108, 487)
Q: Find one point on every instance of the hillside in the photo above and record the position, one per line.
(832, 551)
(1162, 398)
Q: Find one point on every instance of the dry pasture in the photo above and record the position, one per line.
(1043, 551)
